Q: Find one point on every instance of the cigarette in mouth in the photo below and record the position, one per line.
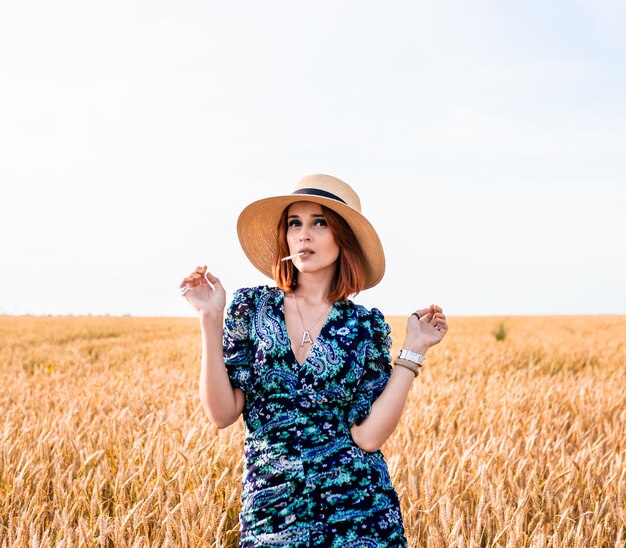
(291, 256)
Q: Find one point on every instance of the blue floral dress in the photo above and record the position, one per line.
(306, 483)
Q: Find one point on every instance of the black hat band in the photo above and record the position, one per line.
(318, 192)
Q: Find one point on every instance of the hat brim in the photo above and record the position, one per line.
(258, 224)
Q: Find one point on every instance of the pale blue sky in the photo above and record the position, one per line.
(486, 139)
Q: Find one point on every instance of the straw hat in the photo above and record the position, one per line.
(258, 223)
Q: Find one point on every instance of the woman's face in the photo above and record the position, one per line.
(308, 232)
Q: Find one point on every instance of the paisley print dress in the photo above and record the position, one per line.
(306, 483)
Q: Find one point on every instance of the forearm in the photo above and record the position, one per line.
(387, 409)
(219, 400)
(385, 413)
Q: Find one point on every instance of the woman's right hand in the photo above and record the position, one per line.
(200, 294)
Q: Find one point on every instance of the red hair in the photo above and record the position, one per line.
(349, 276)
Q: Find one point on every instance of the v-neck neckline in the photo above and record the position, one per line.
(284, 326)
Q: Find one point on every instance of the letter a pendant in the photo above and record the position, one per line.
(306, 337)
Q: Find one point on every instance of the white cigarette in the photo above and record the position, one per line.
(208, 281)
(292, 256)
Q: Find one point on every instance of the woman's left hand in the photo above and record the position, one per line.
(426, 331)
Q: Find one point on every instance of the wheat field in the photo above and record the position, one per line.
(512, 442)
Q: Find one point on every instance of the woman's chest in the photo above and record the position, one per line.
(330, 354)
(301, 333)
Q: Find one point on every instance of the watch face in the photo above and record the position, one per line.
(411, 356)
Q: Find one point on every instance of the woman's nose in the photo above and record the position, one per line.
(304, 234)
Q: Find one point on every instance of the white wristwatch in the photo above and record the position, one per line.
(412, 356)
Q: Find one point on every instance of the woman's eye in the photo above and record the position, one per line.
(294, 222)
(320, 222)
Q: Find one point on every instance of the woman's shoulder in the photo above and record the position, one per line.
(250, 295)
(369, 313)
(374, 326)
(372, 318)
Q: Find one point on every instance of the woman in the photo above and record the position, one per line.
(310, 371)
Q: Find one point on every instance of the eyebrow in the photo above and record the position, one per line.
(298, 216)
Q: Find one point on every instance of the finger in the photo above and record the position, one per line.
(185, 281)
(203, 279)
(441, 324)
(185, 288)
(421, 312)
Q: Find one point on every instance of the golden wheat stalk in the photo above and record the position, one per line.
(514, 435)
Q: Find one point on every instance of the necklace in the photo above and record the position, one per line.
(306, 336)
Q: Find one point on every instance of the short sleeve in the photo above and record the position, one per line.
(377, 369)
(238, 354)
